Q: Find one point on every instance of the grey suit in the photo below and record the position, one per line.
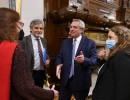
(28, 47)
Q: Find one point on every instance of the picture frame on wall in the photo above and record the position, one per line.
(12, 4)
(15, 5)
(18, 6)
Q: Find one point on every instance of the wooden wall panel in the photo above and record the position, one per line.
(52, 35)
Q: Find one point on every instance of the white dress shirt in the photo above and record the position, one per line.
(36, 53)
(77, 43)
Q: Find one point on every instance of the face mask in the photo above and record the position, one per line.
(110, 44)
(21, 35)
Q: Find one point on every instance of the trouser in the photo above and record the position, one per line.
(39, 77)
(69, 90)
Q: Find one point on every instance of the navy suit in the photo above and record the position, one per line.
(82, 72)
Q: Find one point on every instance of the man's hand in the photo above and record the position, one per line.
(58, 70)
(80, 58)
(55, 91)
(47, 63)
(102, 54)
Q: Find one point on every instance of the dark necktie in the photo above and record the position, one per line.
(73, 57)
(40, 53)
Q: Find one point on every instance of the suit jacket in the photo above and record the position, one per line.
(82, 72)
(113, 82)
(28, 47)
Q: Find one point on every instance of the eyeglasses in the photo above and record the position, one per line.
(21, 23)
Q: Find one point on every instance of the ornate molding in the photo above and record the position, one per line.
(65, 15)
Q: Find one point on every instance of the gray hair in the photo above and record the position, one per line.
(81, 23)
(36, 21)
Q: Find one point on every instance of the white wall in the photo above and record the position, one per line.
(31, 9)
(4, 3)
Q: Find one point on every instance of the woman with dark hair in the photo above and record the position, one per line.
(113, 81)
(16, 82)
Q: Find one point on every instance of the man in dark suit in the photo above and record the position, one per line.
(75, 72)
(35, 48)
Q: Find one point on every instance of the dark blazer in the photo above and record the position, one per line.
(82, 72)
(28, 47)
(113, 82)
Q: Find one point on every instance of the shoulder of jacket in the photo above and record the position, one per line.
(90, 40)
(123, 52)
(69, 39)
(27, 36)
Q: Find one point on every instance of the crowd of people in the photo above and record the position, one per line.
(23, 62)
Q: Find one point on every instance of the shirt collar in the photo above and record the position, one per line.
(33, 37)
(78, 39)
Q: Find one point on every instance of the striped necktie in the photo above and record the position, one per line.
(40, 53)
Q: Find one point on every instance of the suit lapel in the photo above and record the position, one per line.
(29, 40)
(70, 45)
(43, 43)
